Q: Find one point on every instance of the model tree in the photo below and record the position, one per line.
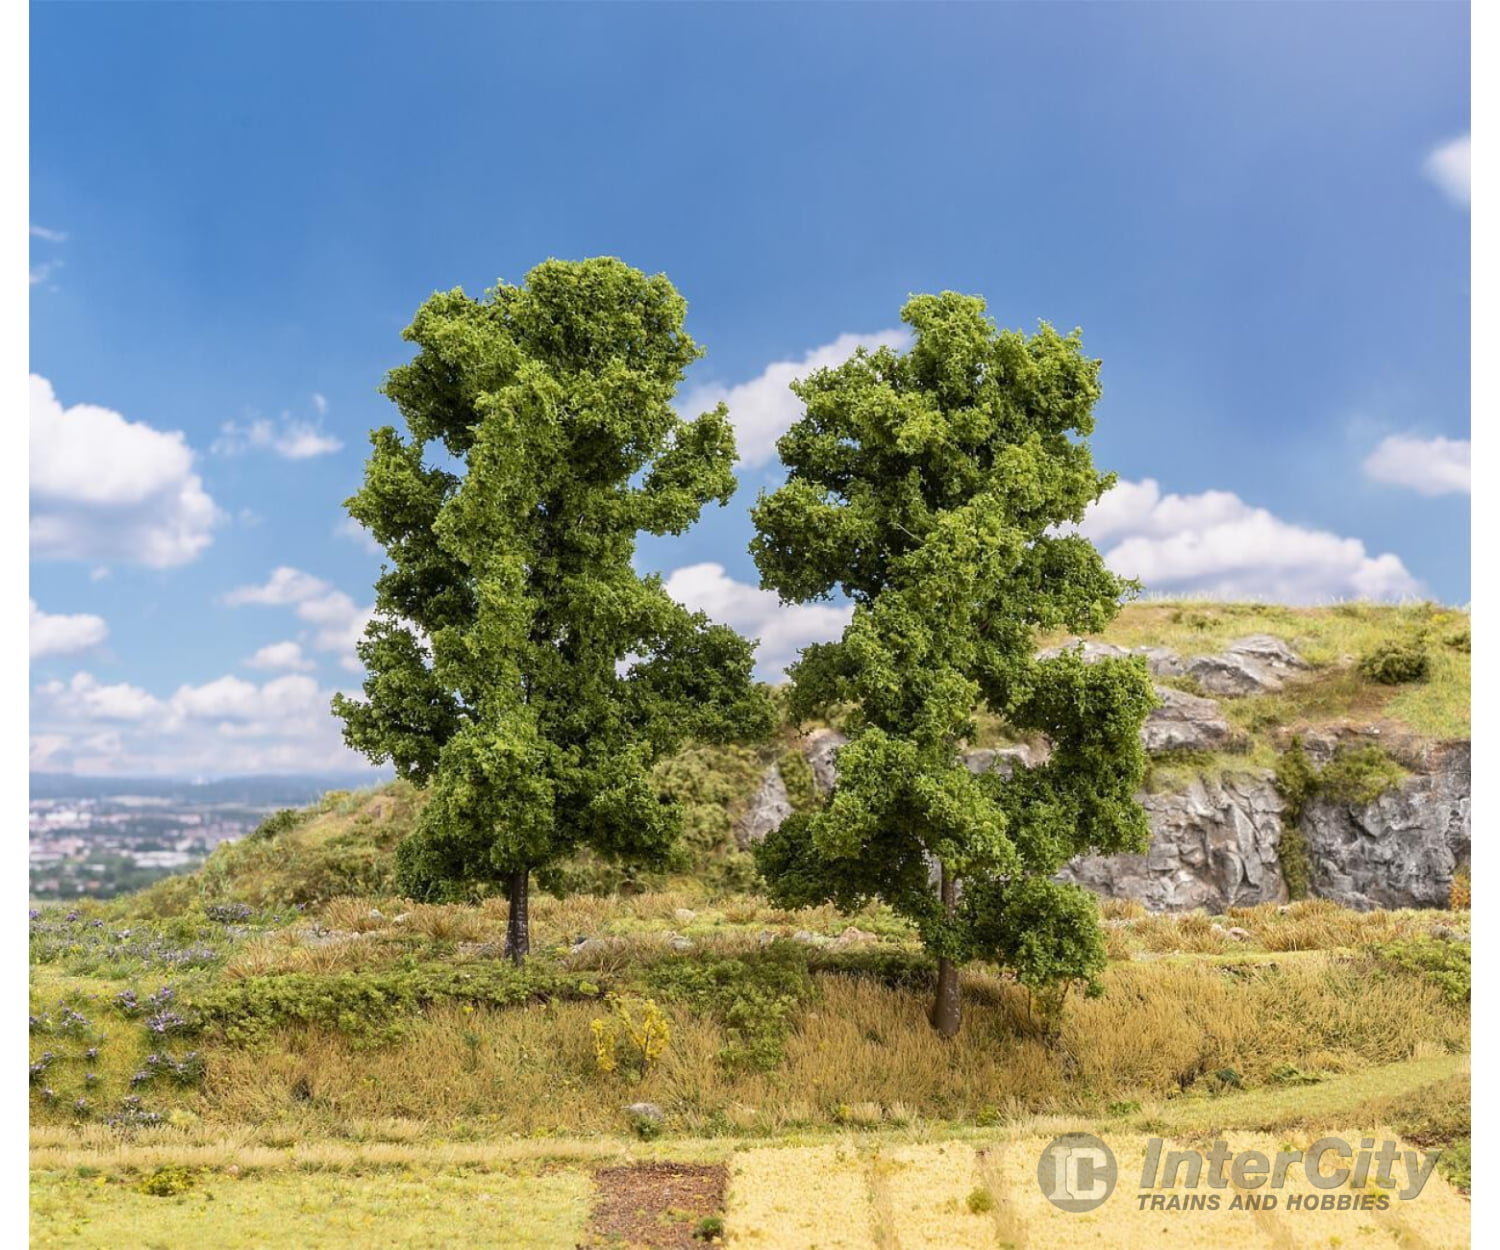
(936, 489)
(517, 665)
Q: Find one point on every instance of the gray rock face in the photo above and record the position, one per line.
(1400, 850)
(1251, 665)
(1002, 760)
(770, 806)
(818, 749)
(1214, 846)
(1184, 722)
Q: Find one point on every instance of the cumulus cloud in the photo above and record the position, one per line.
(356, 533)
(52, 236)
(288, 438)
(338, 622)
(1216, 544)
(63, 635)
(763, 409)
(281, 656)
(104, 488)
(1429, 466)
(783, 629)
(1447, 165)
(228, 725)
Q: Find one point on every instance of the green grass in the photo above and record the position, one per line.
(527, 1208)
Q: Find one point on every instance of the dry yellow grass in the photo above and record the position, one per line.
(813, 1197)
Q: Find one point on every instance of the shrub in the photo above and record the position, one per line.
(1440, 961)
(632, 1038)
(1359, 776)
(980, 1200)
(752, 996)
(168, 1182)
(1459, 889)
(1392, 663)
(709, 1228)
(283, 821)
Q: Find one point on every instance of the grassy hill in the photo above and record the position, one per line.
(277, 1051)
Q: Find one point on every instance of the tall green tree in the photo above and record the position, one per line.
(935, 489)
(517, 665)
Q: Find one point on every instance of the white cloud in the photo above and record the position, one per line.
(320, 402)
(227, 725)
(356, 533)
(52, 236)
(281, 655)
(84, 697)
(1215, 544)
(1429, 466)
(1448, 166)
(338, 621)
(763, 409)
(288, 438)
(40, 273)
(104, 488)
(63, 635)
(783, 629)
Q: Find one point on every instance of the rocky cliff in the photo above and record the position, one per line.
(1216, 840)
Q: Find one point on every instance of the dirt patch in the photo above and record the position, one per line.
(656, 1206)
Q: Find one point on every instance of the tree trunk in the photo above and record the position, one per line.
(946, 1006)
(518, 925)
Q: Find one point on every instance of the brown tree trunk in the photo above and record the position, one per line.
(518, 924)
(946, 1005)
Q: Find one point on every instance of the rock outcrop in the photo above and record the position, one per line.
(769, 806)
(1400, 850)
(1184, 722)
(1216, 846)
(1255, 664)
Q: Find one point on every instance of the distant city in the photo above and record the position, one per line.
(97, 837)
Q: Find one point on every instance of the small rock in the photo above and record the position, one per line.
(1239, 934)
(375, 914)
(685, 914)
(679, 943)
(854, 937)
(810, 938)
(402, 918)
(646, 1111)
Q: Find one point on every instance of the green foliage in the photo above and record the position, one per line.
(509, 605)
(278, 822)
(709, 1228)
(1395, 662)
(934, 489)
(1359, 776)
(169, 1181)
(1442, 962)
(797, 776)
(1355, 776)
(980, 1200)
(368, 1007)
(752, 996)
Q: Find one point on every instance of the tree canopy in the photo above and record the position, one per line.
(517, 665)
(937, 489)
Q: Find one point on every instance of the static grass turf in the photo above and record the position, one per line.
(415, 1208)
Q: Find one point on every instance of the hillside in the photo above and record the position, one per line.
(279, 1035)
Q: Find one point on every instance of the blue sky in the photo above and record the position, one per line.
(1257, 213)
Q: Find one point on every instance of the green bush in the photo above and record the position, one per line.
(752, 996)
(1359, 776)
(168, 1182)
(1440, 961)
(369, 1007)
(1392, 663)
